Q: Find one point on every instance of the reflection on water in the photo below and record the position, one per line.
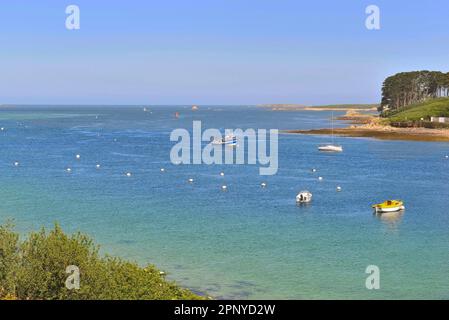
(305, 205)
(391, 219)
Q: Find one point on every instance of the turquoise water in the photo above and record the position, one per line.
(248, 242)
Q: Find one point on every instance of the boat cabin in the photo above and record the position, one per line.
(304, 197)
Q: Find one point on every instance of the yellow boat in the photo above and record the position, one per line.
(389, 206)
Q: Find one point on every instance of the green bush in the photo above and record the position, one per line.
(36, 269)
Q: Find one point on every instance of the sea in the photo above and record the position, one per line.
(248, 242)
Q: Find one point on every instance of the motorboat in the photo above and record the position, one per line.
(227, 140)
(304, 197)
(389, 206)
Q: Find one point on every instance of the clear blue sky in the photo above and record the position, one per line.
(214, 51)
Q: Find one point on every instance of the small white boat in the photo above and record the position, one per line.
(304, 197)
(227, 140)
(330, 148)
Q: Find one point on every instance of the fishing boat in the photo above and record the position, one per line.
(331, 147)
(389, 206)
(229, 140)
(304, 197)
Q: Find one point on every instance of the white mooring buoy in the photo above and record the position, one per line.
(128, 174)
(78, 157)
(263, 184)
(97, 166)
(224, 188)
(338, 188)
(222, 174)
(190, 180)
(69, 169)
(16, 164)
(162, 170)
(320, 178)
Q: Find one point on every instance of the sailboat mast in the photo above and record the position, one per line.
(332, 127)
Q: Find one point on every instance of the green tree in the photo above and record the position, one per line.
(36, 269)
(9, 259)
(408, 88)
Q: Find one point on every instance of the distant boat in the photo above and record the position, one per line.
(230, 140)
(304, 197)
(331, 147)
(176, 115)
(389, 206)
(194, 108)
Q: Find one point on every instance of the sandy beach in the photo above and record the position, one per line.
(298, 107)
(384, 133)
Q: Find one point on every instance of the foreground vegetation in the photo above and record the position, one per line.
(35, 268)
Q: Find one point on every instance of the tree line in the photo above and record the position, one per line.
(406, 88)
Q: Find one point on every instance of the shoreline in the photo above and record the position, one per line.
(382, 132)
(342, 107)
(368, 126)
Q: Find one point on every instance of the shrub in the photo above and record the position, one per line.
(36, 269)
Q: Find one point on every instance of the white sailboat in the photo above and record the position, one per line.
(331, 147)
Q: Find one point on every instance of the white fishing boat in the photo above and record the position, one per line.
(331, 147)
(304, 197)
(230, 140)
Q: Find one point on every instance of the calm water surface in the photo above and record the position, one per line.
(248, 242)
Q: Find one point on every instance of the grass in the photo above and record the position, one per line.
(432, 108)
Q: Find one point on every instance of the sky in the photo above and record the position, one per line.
(215, 51)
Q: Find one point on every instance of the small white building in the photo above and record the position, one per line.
(439, 119)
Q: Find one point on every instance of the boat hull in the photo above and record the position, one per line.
(330, 149)
(226, 141)
(387, 210)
